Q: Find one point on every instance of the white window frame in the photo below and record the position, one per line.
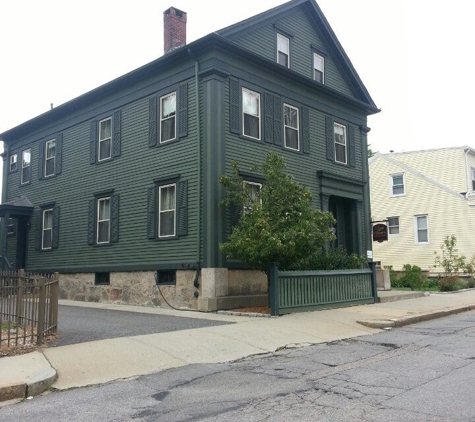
(286, 40)
(398, 225)
(168, 117)
(247, 206)
(160, 211)
(23, 167)
(99, 221)
(337, 142)
(13, 162)
(109, 138)
(45, 229)
(318, 67)
(416, 229)
(473, 179)
(258, 116)
(392, 185)
(50, 158)
(297, 129)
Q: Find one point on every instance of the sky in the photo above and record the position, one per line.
(414, 56)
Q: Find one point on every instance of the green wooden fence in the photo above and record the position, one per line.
(299, 291)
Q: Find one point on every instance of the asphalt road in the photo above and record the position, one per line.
(424, 372)
(80, 324)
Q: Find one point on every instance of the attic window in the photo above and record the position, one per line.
(318, 68)
(283, 50)
(473, 179)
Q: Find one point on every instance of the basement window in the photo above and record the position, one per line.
(166, 277)
(102, 279)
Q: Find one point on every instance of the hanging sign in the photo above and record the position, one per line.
(380, 232)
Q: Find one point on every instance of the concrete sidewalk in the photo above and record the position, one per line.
(103, 361)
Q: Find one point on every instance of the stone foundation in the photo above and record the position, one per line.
(140, 288)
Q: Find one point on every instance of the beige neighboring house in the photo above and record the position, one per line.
(424, 196)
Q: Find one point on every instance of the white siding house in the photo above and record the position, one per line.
(424, 196)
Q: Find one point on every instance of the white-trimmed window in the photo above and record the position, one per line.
(253, 194)
(318, 68)
(105, 139)
(13, 162)
(421, 229)
(283, 50)
(473, 179)
(167, 210)
(103, 220)
(397, 184)
(251, 113)
(50, 157)
(291, 127)
(339, 136)
(25, 167)
(168, 117)
(47, 232)
(393, 226)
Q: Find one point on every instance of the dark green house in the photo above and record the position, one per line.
(117, 190)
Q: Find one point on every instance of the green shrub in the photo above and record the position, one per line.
(450, 284)
(471, 283)
(332, 259)
(412, 277)
(392, 276)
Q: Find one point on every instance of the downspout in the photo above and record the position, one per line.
(3, 226)
(198, 112)
(469, 188)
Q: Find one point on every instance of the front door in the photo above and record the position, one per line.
(22, 242)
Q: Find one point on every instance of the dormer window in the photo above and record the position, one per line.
(283, 50)
(318, 68)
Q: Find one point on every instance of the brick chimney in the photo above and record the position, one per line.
(174, 27)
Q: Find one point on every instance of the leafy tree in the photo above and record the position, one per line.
(449, 260)
(279, 224)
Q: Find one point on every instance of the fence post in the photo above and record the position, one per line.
(19, 296)
(374, 287)
(41, 311)
(274, 289)
(54, 304)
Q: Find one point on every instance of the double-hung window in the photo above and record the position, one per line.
(473, 179)
(167, 211)
(47, 232)
(283, 50)
(253, 194)
(421, 229)
(168, 117)
(393, 226)
(13, 162)
(291, 127)
(25, 167)
(105, 139)
(251, 113)
(339, 136)
(50, 157)
(397, 185)
(318, 68)
(103, 220)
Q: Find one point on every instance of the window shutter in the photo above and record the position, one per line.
(91, 222)
(116, 136)
(93, 143)
(306, 130)
(41, 163)
(55, 242)
(268, 117)
(278, 124)
(351, 146)
(59, 154)
(329, 138)
(38, 229)
(183, 110)
(152, 122)
(151, 214)
(234, 106)
(114, 218)
(183, 208)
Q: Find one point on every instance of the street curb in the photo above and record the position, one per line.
(33, 386)
(413, 319)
